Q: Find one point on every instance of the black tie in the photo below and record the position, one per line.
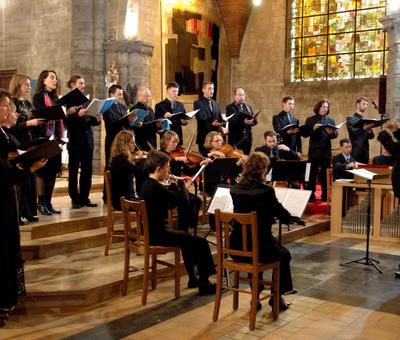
(210, 105)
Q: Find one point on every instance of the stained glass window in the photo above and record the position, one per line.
(337, 39)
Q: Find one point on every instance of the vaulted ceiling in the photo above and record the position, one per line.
(235, 14)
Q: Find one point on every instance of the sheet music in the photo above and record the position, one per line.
(95, 106)
(226, 118)
(293, 200)
(191, 114)
(222, 200)
(307, 174)
(364, 173)
(340, 125)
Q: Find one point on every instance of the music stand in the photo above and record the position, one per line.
(367, 260)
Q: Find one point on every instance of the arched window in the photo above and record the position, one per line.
(337, 39)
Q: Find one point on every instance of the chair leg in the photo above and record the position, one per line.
(218, 293)
(145, 278)
(177, 273)
(126, 270)
(235, 294)
(253, 303)
(110, 229)
(154, 271)
(276, 298)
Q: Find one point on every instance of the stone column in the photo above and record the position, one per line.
(391, 25)
(88, 26)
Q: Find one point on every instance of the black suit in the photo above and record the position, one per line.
(279, 121)
(113, 124)
(146, 133)
(359, 138)
(239, 133)
(204, 118)
(394, 148)
(259, 197)
(166, 106)
(319, 150)
(339, 164)
(277, 154)
(80, 155)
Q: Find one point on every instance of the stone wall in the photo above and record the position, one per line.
(262, 71)
(35, 35)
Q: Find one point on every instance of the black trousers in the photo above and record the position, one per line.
(79, 157)
(319, 166)
(195, 251)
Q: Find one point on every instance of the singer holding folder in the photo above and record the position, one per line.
(80, 148)
(46, 96)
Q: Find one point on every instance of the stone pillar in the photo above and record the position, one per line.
(133, 61)
(88, 26)
(391, 25)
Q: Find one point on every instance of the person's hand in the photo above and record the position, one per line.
(392, 126)
(283, 147)
(217, 154)
(35, 122)
(292, 131)
(217, 123)
(181, 159)
(184, 121)
(167, 115)
(131, 117)
(329, 130)
(11, 155)
(316, 126)
(368, 127)
(206, 161)
(99, 117)
(38, 164)
(188, 182)
(243, 159)
(81, 112)
(248, 121)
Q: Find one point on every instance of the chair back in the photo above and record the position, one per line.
(135, 211)
(248, 227)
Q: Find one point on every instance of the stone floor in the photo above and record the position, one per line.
(334, 302)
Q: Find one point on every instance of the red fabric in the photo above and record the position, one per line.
(48, 102)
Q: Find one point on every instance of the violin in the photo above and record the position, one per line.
(194, 158)
(231, 151)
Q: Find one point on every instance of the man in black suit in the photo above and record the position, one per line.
(344, 161)
(290, 136)
(209, 117)
(169, 106)
(275, 151)
(112, 118)
(320, 148)
(146, 133)
(239, 130)
(385, 159)
(360, 136)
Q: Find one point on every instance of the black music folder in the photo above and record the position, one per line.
(289, 171)
(45, 150)
(33, 143)
(290, 126)
(376, 122)
(224, 166)
(54, 112)
(73, 98)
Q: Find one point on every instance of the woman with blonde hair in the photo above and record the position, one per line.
(253, 194)
(123, 168)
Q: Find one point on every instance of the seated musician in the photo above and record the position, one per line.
(195, 250)
(344, 161)
(214, 149)
(123, 168)
(275, 151)
(179, 165)
(253, 194)
(385, 159)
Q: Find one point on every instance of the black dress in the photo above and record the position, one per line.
(259, 197)
(195, 250)
(11, 263)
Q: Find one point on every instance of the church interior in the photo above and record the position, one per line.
(336, 50)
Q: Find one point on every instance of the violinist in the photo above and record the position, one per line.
(123, 169)
(214, 148)
(241, 123)
(169, 106)
(188, 212)
(275, 151)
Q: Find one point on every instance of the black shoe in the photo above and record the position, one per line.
(52, 210)
(32, 218)
(43, 210)
(193, 283)
(397, 275)
(282, 304)
(21, 222)
(89, 204)
(207, 289)
(75, 205)
(293, 291)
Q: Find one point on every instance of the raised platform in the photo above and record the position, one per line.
(65, 263)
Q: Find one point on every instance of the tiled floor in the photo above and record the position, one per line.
(334, 302)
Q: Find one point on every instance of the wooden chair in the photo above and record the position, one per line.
(329, 180)
(137, 239)
(112, 216)
(225, 262)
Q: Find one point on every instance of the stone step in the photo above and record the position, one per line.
(62, 244)
(61, 188)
